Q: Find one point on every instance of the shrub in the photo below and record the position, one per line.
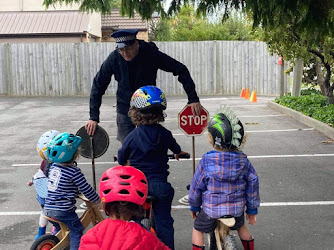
(311, 104)
(310, 91)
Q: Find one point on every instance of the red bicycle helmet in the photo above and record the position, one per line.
(123, 183)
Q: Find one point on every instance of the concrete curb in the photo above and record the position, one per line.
(317, 125)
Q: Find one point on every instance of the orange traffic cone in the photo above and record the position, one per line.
(247, 94)
(242, 93)
(253, 97)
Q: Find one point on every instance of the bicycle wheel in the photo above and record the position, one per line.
(229, 243)
(212, 241)
(45, 242)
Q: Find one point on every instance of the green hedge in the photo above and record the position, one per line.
(310, 103)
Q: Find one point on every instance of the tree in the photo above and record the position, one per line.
(312, 15)
(186, 26)
(160, 31)
(293, 42)
(128, 7)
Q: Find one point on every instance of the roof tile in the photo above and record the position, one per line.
(115, 21)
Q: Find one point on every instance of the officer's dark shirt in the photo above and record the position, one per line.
(143, 70)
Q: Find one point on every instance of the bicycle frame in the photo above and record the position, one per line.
(222, 230)
(91, 215)
(148, 220)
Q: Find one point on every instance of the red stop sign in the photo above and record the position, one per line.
(190, 124)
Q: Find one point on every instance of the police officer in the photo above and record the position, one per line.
(134, 64)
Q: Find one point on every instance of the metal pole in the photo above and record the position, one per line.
(93, 163)
(193, 142)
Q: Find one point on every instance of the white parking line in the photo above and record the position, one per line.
(197, 159)
(264, 131)
(252, 131)
(278, 204)
(173, 119)
(264, 204)
(239, 116)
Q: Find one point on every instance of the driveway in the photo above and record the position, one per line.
(294, 162)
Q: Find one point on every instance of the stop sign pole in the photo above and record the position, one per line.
(193, 125)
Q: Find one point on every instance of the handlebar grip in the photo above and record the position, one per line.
(184, 156)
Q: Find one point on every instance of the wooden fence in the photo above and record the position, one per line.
(68, 69)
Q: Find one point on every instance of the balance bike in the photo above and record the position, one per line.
(222, 237)
(62, 239)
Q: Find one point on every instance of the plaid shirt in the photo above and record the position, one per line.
(223, 184)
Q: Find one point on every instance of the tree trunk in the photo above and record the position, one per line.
(327, 85)
(320, 77)
(329, 94)
(297, 77)
(326, 80)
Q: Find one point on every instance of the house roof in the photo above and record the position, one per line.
(115, 21)
(43, 22)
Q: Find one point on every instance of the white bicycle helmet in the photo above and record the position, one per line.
(42, 144)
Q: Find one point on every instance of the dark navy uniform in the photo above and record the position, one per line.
(140, 71)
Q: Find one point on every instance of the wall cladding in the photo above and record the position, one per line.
(68, 69)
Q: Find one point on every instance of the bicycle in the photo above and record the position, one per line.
(62, 239)
(221, 237)
(148, 220)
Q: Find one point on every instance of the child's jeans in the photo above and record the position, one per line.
(162, 206)
(72, 221)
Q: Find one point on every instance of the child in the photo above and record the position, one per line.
(146, 149)
(65, 182)
(40, 179)
(224, 182)
(123, 191)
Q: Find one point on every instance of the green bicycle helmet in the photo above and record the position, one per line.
(226, 129)
(62, 147)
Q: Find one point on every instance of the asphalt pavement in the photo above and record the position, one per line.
(295, 164)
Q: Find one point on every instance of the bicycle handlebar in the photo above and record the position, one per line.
(170, 156)
(184, 156)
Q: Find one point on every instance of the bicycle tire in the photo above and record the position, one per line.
(212, 241)
(47, 241)
(229, 243)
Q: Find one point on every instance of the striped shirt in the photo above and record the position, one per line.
(223, 184)
(64, 185)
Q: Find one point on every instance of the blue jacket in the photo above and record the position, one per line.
(224, 183)
(141, 71)
(146, 148)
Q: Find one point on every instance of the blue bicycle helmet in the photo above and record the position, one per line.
(148, 97)
(62, 147)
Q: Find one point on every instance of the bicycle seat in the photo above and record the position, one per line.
(227, 220)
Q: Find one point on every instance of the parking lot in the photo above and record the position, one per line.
(295, 164)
